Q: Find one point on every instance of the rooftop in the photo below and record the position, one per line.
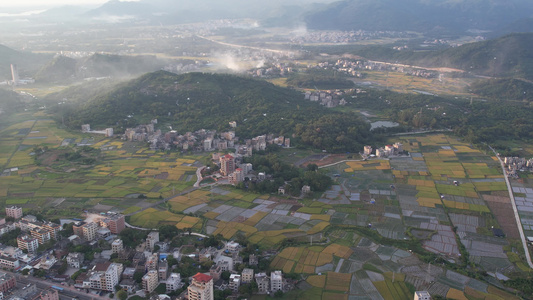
(202, 277)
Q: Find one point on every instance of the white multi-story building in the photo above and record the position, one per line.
(75, 260)
(106, 278)
(234, 282)
(276, 281)
(89, 231)
(29, 243)
(151, 239)
(150, 281)
(112, 276)
(263, 284)
(14, 212)
(173, 282)
(247, 275)
(368, 150)
(422, 295)
(9, 262)
(117, 246)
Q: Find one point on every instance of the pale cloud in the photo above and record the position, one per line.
(52, 3)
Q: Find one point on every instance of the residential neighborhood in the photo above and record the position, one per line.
(98, 256)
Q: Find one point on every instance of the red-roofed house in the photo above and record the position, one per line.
(201, 287)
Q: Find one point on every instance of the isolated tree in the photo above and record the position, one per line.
(122, 295)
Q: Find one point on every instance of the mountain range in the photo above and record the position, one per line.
(426, 16)
(435, 16)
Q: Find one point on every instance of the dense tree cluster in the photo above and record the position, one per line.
(477, 122)
(281, 173)
(194, 101)
(336, 133)
(314, 80)
(509, 89)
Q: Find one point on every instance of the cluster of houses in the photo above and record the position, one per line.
(101, 274)
(273, 70)
(381, 152)
(201, 140)
(232, 166)
(346, 36)
(328, 99)
(35, 233)
(515, 164)
(354, 68)
(226, 260)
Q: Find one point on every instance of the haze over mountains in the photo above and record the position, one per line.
(439, 16)
(436, 16)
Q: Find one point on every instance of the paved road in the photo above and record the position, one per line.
(421, 132)
(515, 210)
(198, 177)
(339, 162)
(68, 292)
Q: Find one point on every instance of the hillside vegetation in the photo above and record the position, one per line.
(510, 89)
(27, 63)
(194, 101)
(507, 56)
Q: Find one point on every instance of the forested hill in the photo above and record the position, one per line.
(193, 101)
(507, 56)
(28, 63)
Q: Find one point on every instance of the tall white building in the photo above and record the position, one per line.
(14, 211)
(112, 276)
(247, 275)
(234, 282)
(276, 281)
(89, 231)
(422, 295)
(29, 243)
(153, 237)
(117, 246)
(173, 282)
(150, 281)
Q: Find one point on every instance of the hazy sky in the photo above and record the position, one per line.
(47, 3)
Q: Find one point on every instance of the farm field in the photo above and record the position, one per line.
(445, 193)
(122, 172)
(443, 185)
(411, 84)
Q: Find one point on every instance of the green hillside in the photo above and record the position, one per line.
(10, 101)
(504, 89)
(194, 101)
(27, 63)
(507, 56)
(58, 69)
